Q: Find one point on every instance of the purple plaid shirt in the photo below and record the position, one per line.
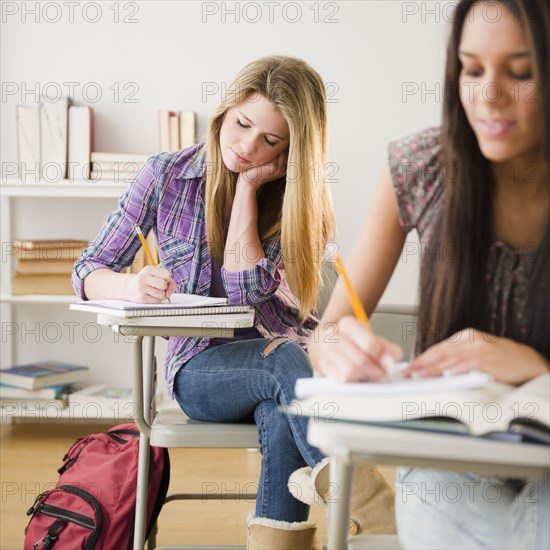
(167, 196)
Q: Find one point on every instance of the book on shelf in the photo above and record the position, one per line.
(116, 166)
(174, 133)
(176, 130)
(180, 304)
(45, 267)
(42, 373)
(187, 123)
(81, 142)
(164, 129)
(48, 250)
(53, 135)
(28, 139)
(47, 392)
(101, 394)
(470, 403)
(13, 406)
(99, 401)
(41, 283)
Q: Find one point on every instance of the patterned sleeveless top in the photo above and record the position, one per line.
(414, 165)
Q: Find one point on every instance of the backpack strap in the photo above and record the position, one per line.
(114, 434)
(51, 536)
(124, 432)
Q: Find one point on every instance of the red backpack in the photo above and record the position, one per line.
(93, 504)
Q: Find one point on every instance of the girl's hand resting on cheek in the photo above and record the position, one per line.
(353, 353)
(469, 349)
(151, 285)
(256, 176)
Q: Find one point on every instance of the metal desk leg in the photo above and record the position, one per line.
(150, 386)
(141, 493)
(341, 471)
(145, 366)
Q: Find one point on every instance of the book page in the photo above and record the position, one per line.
(393, 383)
(483, 409)
(530, 401)
(176, 301)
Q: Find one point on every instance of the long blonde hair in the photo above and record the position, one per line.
(300, 210)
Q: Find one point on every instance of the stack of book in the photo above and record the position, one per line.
(40, 385)
(117, 167)
(80, 142)
(44, 266)
(108, 402)
(54, 140)
(176, 130)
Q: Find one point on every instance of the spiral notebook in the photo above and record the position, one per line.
(180, 304)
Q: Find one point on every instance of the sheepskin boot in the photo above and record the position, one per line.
(372, 499)
(270, 534)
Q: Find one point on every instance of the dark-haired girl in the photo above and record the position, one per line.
(477, 190)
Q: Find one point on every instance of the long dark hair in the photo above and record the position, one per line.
(450, 297)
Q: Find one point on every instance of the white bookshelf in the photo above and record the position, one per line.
(38, 299)
(79, 208)
(53, 412)
(62, 189)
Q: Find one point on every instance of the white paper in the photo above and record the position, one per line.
(393, 384)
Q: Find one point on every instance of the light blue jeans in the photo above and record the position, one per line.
(238, 382)
(437, 509)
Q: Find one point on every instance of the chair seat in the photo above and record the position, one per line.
(173, 428)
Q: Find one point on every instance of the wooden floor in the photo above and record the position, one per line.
(31, 453)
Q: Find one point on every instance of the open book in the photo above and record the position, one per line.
(180, 304)
(467, 403)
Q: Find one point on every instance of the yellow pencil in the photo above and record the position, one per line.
(146, 248)
(356, 304)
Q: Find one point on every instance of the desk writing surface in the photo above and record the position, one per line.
(398, 446)
(224, 320)
(201, 326)
(347, 443)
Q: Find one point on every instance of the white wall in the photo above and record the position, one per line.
(366, 51)
(177, 54)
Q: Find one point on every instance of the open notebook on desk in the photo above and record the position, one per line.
(470, 403)
(180, 304)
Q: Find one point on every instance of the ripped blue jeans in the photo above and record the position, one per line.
(241, 381)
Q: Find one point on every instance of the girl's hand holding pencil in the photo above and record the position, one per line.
(355, 353)
(153, 284)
